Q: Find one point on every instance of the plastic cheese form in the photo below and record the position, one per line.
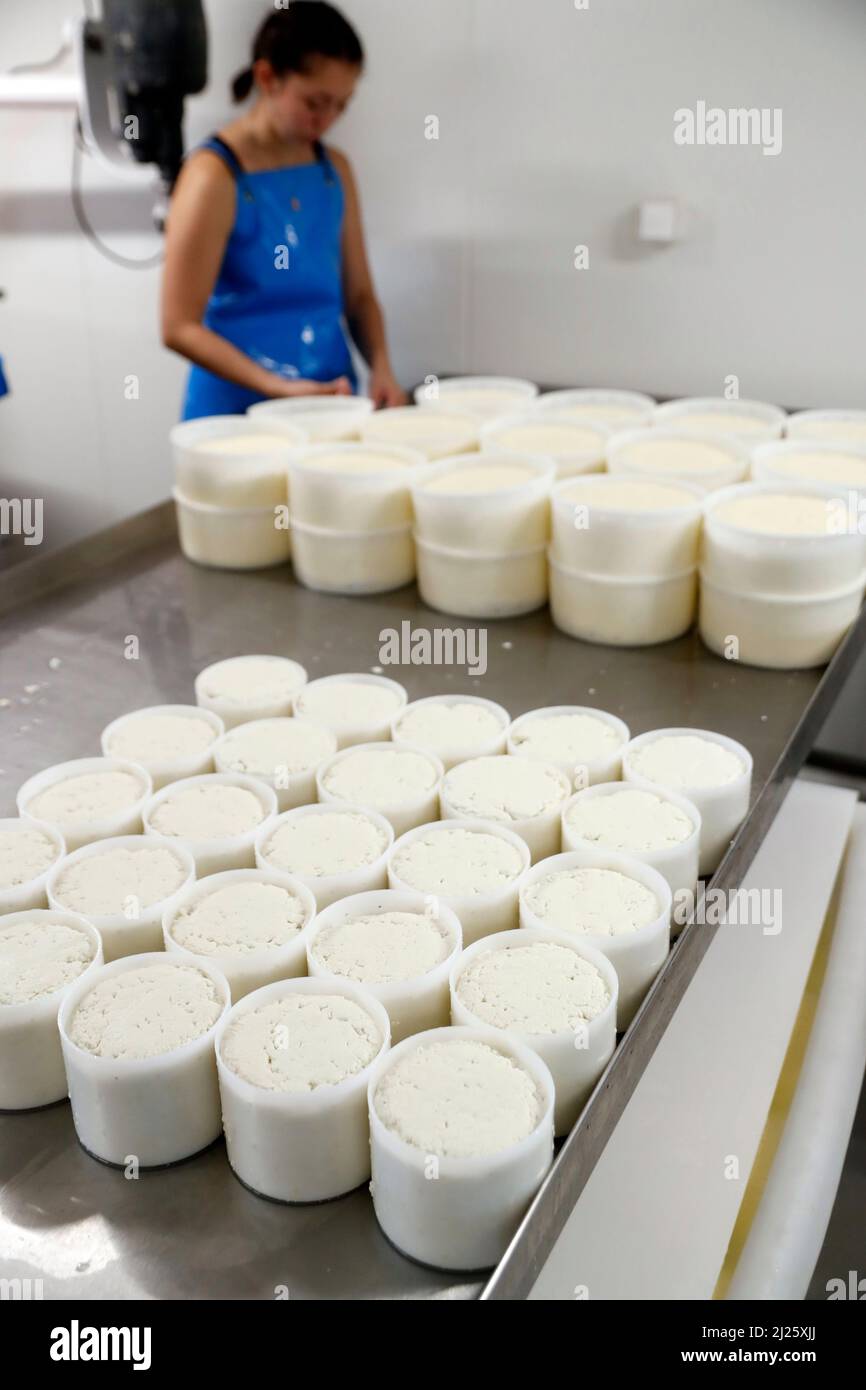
(298, 1131)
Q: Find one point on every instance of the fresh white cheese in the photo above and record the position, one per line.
(145, 1011)
(251, 680)
(25, 854)
(635, 821)
(459, 1098)
(364, 462)
(540, 988)
(380, 778)
(382, 948)
(442, 726)
(38, 956)
(161, 738)
(504, 788)
(320, 846)
(264, 747)
(624, 494)
(87, 797)
(686, 456)
(822, 466)
(778, 513)
(566, 738)
(301, 1042)
(686, 760)
(104, 883)
(238, 919)
(246, 444)
(457, 862)
(598, 902)
(476, 478)
(548, 439)
(344, 704)
(208, 811)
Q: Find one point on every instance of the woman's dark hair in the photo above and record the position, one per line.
(291, 38)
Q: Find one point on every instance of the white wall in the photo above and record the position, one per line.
(554, 123)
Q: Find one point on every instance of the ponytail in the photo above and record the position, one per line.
(242, 85)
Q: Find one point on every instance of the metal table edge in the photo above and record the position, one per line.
(537, 1234)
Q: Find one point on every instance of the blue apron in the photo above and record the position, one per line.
(279, 295)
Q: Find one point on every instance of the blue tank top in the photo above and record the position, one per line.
(278, 295)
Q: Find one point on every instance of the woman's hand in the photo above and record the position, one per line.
(384, 390)
(280, 386)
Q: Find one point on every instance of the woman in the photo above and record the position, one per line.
(265, 257)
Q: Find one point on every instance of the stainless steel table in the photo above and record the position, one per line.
(66, 670)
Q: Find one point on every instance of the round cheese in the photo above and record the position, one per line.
(363, 462)
(457, 862)
(252, 680)
(817, 466)
(245, 444)
(321, 846)
(383, 948)
(504, 789)
(460, 1098)
(103, 884)
(301, 1042)
(341, 704)
(268, 747)
(25, 854)
(145, 1011)
(687, 456)
(443, 726)
(38, 957)
(208, 811)
(845, 431)
(239, 919)
(635, 821)
(623, 494)
(541, 988)
(575, 739)
(87, 797)
(778, 513)
(548, 439)
(598, 902)
(380, 779)
(470, 479)
(161, 738)
(686, 760)
(722, 421)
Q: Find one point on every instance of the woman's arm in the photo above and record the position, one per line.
(363, 310)
(199, 225)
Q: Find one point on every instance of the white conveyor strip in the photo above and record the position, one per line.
(656, 1216)
(789, 1226)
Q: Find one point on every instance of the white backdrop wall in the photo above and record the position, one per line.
(554, 122)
